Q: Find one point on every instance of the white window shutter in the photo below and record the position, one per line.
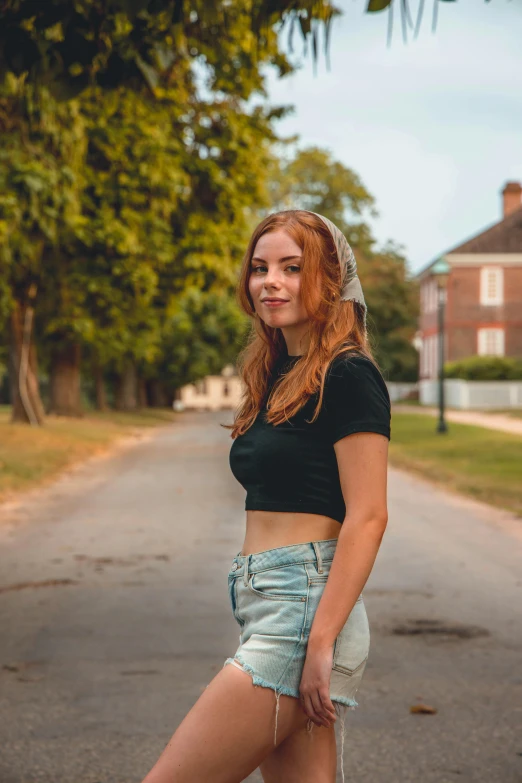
(491, 285)
(491, 342)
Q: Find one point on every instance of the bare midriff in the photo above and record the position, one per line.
(270, 529)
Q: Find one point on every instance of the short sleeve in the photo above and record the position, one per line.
(356, 398)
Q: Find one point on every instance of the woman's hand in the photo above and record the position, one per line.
(315, 686)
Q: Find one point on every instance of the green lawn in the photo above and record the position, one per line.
(30, 455)
(485, 464)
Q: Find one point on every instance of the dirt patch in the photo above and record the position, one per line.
(440, 628)
(119, 561)
(44, 583)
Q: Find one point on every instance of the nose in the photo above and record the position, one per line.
(272, 278)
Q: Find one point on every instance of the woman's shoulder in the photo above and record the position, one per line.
(357, 371)
(356, 397)
(354, 362)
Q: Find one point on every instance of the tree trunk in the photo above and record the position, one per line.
(142, 393)
(126, 389)
(65, 380)
(101, 391)
(157, 394)
(25, 396)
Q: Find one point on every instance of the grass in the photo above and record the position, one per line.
(484, 464)
(31, 455)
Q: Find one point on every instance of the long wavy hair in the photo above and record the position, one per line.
(336, 326)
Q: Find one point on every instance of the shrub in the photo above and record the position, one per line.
(485, 368)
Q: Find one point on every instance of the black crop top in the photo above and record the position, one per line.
(293, 466)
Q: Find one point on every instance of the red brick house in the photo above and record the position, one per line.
(484, 293)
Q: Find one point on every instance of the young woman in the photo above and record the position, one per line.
(310, 447)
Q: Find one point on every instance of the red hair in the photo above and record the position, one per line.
(335, 326)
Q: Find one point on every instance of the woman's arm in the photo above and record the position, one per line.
(362, 459)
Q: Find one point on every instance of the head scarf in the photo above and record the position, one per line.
(351, 288)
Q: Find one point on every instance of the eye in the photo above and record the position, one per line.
(257, 268)
(294, 266)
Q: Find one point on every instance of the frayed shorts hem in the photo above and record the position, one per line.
(284, 689)
(339, 701)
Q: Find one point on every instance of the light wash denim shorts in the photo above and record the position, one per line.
(274, 595)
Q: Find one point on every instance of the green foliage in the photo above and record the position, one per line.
(485, 368)
(41, 152)
(71, 46)
(203, 333)
(312, 179)
(158, 201)
(130, 204)
(134, 186)
(393, 300)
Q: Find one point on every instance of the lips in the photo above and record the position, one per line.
(274, 300)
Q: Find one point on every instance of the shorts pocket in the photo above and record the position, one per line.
(287, 583)
(352, 645)
(232, 593)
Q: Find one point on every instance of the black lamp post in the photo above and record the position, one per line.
(440, 271)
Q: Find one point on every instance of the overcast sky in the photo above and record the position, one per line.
(433, 128)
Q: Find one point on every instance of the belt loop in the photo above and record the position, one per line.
(318, 556)
(245, 572)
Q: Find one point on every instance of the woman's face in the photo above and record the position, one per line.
(275, 283)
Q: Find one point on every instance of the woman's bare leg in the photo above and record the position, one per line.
(303, 757)
(227, 733)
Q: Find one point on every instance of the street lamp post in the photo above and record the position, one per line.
(440, 271)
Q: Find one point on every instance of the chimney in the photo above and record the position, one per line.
(512, 197)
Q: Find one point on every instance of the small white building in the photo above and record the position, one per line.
(212, 393)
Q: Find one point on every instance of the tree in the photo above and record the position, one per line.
(393, 300)
(312, 179)
(109, 43)
(40, 183)
(71, 46)
(158, 196)
(203, 333)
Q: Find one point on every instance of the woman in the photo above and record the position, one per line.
(310, 447)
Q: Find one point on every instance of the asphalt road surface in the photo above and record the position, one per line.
(114, 616)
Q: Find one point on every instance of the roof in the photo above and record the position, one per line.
(502, 237)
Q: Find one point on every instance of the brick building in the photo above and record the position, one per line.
(484, 293)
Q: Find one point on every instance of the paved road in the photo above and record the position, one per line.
(98, 671)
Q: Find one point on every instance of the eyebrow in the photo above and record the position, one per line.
(285, 258)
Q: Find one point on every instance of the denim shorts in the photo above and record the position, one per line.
(274, 595)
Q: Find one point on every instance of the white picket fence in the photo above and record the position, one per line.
(472, 395)
(401, 391)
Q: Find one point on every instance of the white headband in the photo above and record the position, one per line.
(351, 288)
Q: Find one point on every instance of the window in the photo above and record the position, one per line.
(491, 342)
(491, 285)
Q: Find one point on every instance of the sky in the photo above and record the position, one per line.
(433, 127)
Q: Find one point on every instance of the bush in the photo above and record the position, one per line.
(485, 368)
